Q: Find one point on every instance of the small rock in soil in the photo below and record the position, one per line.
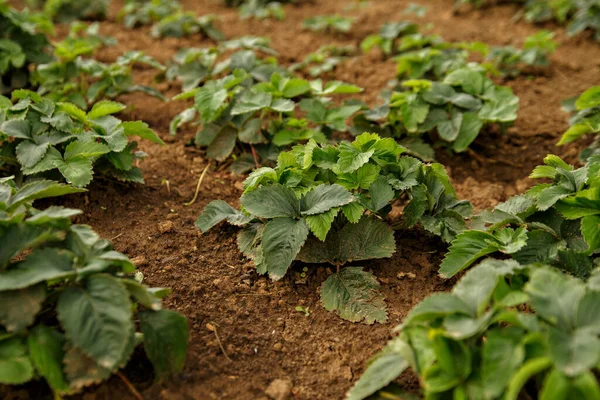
(409, 275)
(279, 389)
(139, 261)
(166, 227)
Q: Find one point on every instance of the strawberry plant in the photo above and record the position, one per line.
(457, 108)
(579, 15)
(41, 138)
(73, 309)
(23, 42)
(326, 204)
(183, 23)
(324, 60)
(84, 81)
(259, 10)
(554, 223)
(259, 112)
(146, 12)
(510, 61)
(71, 10)
(505, 331)
(328, 23)
(585, 121)
(389, 36)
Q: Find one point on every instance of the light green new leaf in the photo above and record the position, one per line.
(105, 107)
(320, 224)
(353, 211)
(355, 295)
(351, 159)
(165, 340)
(590, 229)
(140, 129)
(15, 365)
(271, 202)
(323, 198)
(586, 202)
(96, 318)
(282, 240)
(588, 99)
(217, 211)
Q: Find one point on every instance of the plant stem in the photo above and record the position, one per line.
(198, 187)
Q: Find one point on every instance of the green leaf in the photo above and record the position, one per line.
(502, 355)
(80, 149)
(382, 370)
(82, 370)
(142, 294)
(223, 144)
(477, 287)
(105, 107)
(42, 265)
(271, 202)
(251, 133)
(351, 159)
(554, 295)
(588, 99)
(251, 101)
(15, 365)
(355, 295)
(574, 352)
(353, 211)
(586, 202)
(381, 194)
(96, 318)
(323, 198)
(217, 211)
(17, 128)
(590, 229)
(46, 351)
(282, 240)
(367, 239)
(20, 307)
(77, 172)
(469, 129)
(467, 248)
(29, 153)
(437, 305)
(320, 224)
(165, 340)
(140, 129)
(258, 176)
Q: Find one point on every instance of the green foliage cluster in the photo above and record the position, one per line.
(389, 37)
(168, 19)
(554, 223)
(71, 305)
(141, 12)
(259, 10)
(509, 61)
(328, 23)
(326, 204)
(579, 15)
(586, 120)
(324, 60)
(71, 10)
(77, 78)
(257, 104)
(457, 107)
(505, 331)
(41, 138)
(23, 42)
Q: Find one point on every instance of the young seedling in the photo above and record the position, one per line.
(329, 23)
(585, 121)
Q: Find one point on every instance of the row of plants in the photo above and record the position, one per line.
(523, 326)
(577, 15)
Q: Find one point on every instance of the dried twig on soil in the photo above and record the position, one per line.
(130, 386)
(214, 329)
(198, 186)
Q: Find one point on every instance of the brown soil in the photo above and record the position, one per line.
(263, 336)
